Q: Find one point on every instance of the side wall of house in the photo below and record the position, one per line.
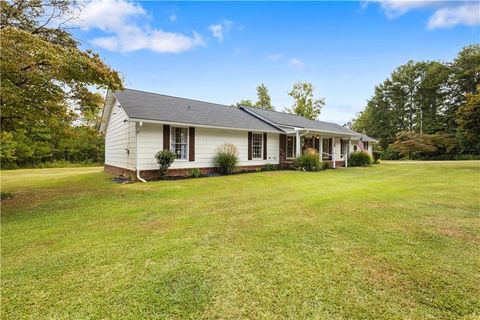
(120, 140)
(207, 141)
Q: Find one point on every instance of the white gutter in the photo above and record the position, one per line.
(137, 169)
(200, 125)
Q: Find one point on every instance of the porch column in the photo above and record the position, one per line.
(321, 149)
(298, 150)
(348, 152)
(333, 153)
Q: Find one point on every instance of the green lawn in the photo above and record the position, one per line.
(392, 241)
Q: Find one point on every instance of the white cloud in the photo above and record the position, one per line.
(274, 57)
(297, 64)
(468, 14)
(173, 17)
(219, 30)
(124, 23)
(446, 13)
(395, 8)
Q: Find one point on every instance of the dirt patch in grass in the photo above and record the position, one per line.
(459, 234)
(155, 225)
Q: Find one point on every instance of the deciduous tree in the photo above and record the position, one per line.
(306, 105)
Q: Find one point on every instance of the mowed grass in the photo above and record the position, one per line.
(392, 241)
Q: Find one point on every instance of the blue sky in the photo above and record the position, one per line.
(220, 51)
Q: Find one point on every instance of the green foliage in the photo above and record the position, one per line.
(264, 101)
(46, 85)
(195, 173)
(5, 195)
(7, 148)
(427, 97)
(306, 105)
(418, 146)
(165, 159)
(390, 154)
(226, 158)
(307, 162)
(270, 167)
(468, 118)
(376, 156)
(244, 103)
(326, 165)
(360, 158)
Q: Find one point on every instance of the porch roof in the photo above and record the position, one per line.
(294, 121)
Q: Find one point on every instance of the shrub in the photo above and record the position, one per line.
(226, 158)
(307, 162)
(270, 167)
(165, 159)
(326, 165)
(359, 158)
(4, 195)
(376, 156)
(390, 154)
(195, 173)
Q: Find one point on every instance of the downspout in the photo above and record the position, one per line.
(137, 169)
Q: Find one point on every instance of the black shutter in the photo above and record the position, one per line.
(166, 137)
(264, 146)
(191, 144)
(249, 145)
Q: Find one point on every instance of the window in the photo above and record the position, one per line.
(365, 145)
(179, 142)
(344, 147)
(257, 144)
(291, 147)
(327, 149)
(307, 143)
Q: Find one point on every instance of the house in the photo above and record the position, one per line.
(138, 124)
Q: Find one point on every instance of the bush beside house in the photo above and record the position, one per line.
(165, 159)
(227, 158)
(359, 158)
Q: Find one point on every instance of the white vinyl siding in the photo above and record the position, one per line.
(120, 140)
(207, 141)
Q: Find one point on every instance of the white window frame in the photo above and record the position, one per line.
(172, 128)
(293, 146)
(261, 143)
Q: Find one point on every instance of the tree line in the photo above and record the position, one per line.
(427, 109)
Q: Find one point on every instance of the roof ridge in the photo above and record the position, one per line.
(170, 96)
(296, 115)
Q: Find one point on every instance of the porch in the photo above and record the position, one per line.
(329, 147)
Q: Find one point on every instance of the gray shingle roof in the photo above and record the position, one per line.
(292, 120)
(152, 106)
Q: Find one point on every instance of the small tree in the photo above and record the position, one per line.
(264, 100)
(165, 159)
(306, 105)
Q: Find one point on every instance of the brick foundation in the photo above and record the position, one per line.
(155, 174)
